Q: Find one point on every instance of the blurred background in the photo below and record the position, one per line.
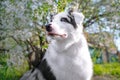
(22, 34)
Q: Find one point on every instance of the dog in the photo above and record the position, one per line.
(67, 57)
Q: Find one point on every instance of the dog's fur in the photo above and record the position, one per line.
(67, 55)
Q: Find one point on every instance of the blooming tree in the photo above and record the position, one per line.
(22, 22)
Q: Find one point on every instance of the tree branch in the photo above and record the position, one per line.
(94, 18)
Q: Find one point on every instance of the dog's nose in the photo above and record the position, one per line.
(48, 27)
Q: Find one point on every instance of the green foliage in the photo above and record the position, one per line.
(62, 4)
(3, 59)
(96, 55)
(11, 72)
(107, 69)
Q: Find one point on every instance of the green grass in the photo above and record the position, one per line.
(11, 72)
(111, 69)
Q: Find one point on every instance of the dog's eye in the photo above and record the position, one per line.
(64, 19)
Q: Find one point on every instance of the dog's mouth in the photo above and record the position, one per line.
(56, 34)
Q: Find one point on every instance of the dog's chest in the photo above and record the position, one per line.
(66, 65)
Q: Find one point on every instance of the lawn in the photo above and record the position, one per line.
(107, 71)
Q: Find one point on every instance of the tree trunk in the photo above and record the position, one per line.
(105, 55)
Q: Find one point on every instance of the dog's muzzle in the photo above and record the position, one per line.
(51, 32)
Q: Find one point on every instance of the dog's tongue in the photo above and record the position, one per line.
(56, 34)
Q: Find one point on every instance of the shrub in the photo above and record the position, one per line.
(11, 72)
(107, 69)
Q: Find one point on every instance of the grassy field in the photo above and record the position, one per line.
(109, 71)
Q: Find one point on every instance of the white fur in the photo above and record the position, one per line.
(69, 57)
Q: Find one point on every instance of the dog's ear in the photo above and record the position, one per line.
(79, 17)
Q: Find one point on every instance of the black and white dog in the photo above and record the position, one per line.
(67, 57)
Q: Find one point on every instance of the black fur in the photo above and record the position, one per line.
(64, 19)
(46, 70)
(70, 21)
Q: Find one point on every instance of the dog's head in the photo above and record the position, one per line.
(65, 25)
